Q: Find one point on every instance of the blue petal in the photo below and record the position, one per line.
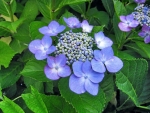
(98, 55)
(51, 73)
(86, 67)
(107, 53)
(91, 87)
(76, 84)
(35, 45)
(64, 71)
(77, 68)
(98, 66)
(44, 30)
(51, 49)
(99, 37)
(40, 55)
(106, 42)
(46, 41)
(53, 25)
(51, 62)
(60, 60)
(114, 65)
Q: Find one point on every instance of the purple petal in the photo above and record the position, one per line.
(98, 66)
(145, 28)
(46, 41)
(64, 71)
(123, 19)
(86, 27)
(86, 67)
(99, 36)
(40, 55)
(51, 61)
(142, 34)
(60, 28)
(107, 53)
(66, 20)
(76, 84)
(95, 77)
(51, 73)
(60, 60)
(35, 45)
(124, 27)
(90, 87)
(106, 42)
(44, 30)
(77, 68)
(140, 1)
(53, 25)
(129, 18)
(50, 50)
(114, 65)
(147, 39)
(72, 22)
(134, 23)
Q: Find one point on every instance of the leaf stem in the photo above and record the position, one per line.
(89, 5)
(16, 98)
(10, 10)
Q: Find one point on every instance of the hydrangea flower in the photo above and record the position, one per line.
(102, 41)
(86, 27)
(52, 29)
(84, 78)
(141, 14)
(128, 22)
(72, 22)
(105, 59)
(145, 33)
(41, 48)
(57, 67)
(140, 1)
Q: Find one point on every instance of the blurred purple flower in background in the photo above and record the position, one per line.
(84, 78)
(72, 22)
(106, 57)
(41, 48)
(102, 41)
(145, 33)
(127, 23)
(57, 67)
(52, 29)
(140, 1)
(86, 27)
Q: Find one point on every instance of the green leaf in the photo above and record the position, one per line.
(8, 106)
(7, 8)
(109, 6)
(30, 11)
(34, 101)
(34, 29)
(100, 17)
(56, 104)
(108, 86)
(23, 34)
(9, 76)
(119, 8)
(35, 69)
(130, 79)
(80, 8)
(144, 48)
(145, 95)
(17, 46)
(139, 47)
(6, 54)
(83, 103)
(49, 8)
(4, 31)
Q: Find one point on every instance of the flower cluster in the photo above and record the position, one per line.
(75, 50)
(141, 15)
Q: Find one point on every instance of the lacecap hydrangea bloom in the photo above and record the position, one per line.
(74, 57)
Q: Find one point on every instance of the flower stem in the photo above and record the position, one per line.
(16, 98)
